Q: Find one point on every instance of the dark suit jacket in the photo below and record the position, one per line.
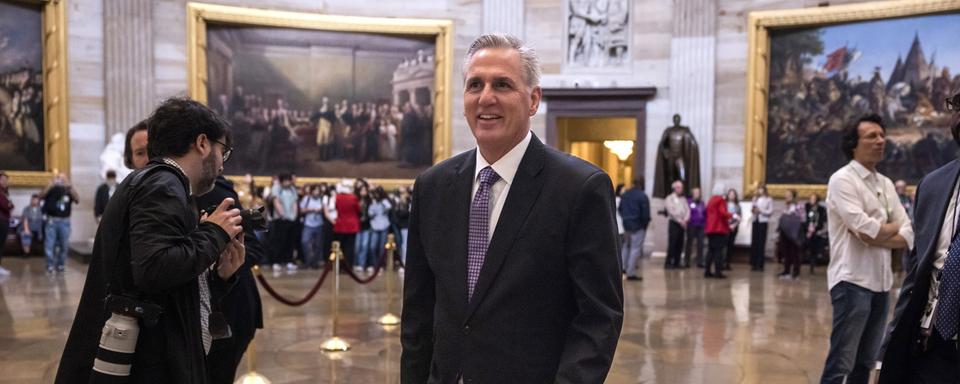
(101, 199)
(548, 305)
(933, 195)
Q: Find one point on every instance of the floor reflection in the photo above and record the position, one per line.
(678, 328)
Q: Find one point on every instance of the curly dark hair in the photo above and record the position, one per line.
(851, 134)
(176, 124)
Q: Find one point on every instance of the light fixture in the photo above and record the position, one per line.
(622, 148)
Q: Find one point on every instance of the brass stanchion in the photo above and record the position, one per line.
(252, 377)
(390, 318)
(334, 343)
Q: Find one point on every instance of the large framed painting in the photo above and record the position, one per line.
(324, 96)
(813, 72)
(34, 142)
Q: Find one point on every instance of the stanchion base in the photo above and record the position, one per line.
(389, 319)
(252, 378)
(335, 344)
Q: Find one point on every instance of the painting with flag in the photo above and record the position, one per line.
(821, 78)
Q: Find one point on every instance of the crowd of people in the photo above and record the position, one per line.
(305, 219)
(801, 233)
(272, 135)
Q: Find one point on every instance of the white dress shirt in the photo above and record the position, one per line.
(506, 167)
(947, 230)
(859, 200)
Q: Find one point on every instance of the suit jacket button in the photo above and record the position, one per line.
(466, 329)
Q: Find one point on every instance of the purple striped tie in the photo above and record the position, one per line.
(479, 237)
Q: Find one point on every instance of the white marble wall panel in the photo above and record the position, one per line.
(505, 16)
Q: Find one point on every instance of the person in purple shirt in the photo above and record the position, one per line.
(698, 219)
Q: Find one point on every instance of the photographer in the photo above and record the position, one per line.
(58, 199)
(149, 248)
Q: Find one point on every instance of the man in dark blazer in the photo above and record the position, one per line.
(512, 265)
(104, 192)
(241, 306)
(920, 345)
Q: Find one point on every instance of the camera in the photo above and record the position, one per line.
(118, 341)
(253, 218)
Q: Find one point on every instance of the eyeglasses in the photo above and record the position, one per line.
(953, 103)
(227, 150)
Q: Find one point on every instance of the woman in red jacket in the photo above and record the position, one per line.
(717, 230)
(347, 223)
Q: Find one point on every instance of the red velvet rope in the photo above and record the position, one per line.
(294, 303)
(368, 280)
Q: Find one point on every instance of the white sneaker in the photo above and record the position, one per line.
(357, 269)
(369, 270)
(277, 267)
(291, 267)
(4, 272)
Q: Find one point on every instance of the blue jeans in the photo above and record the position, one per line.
(859, 315)
(633, 250)
(378, 239)
(311, 244)
(58, 235)
(362, 248)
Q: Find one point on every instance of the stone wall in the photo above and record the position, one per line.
(660, 40)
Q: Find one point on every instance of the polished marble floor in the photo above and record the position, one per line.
(679, 328)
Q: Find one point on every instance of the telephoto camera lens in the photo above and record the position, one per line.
(117, 345)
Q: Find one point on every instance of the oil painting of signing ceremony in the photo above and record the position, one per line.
(487, 191)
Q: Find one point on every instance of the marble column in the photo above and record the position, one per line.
(692, 72)
(504, 16)
(128, 63)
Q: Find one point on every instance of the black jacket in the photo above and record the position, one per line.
(149, 236)
(548, 305)
(101, 199)
(933, 196)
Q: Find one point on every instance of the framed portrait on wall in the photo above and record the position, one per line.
(34, 140)
(814, 72)
(324, 96)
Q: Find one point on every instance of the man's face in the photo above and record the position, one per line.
(901, 187)
(870, 146)
(678, 188)
(211, 167)
(497, 103)
(138, 145)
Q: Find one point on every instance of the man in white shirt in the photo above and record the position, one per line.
(514, 241)
(865, 221)
(679, 214)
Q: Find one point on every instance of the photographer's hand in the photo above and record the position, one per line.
(231, 259)
(227, 218)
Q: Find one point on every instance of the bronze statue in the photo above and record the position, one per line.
(678, 158)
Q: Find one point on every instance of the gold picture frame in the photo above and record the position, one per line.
(760, 24)
(56, 121)
(200, 15)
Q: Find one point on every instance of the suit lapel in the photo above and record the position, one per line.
(457, 221)
(927, 239)
(522, 195)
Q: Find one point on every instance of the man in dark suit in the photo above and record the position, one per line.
(512, 268)
(241, 306)
(104, 192)
(920, 345)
